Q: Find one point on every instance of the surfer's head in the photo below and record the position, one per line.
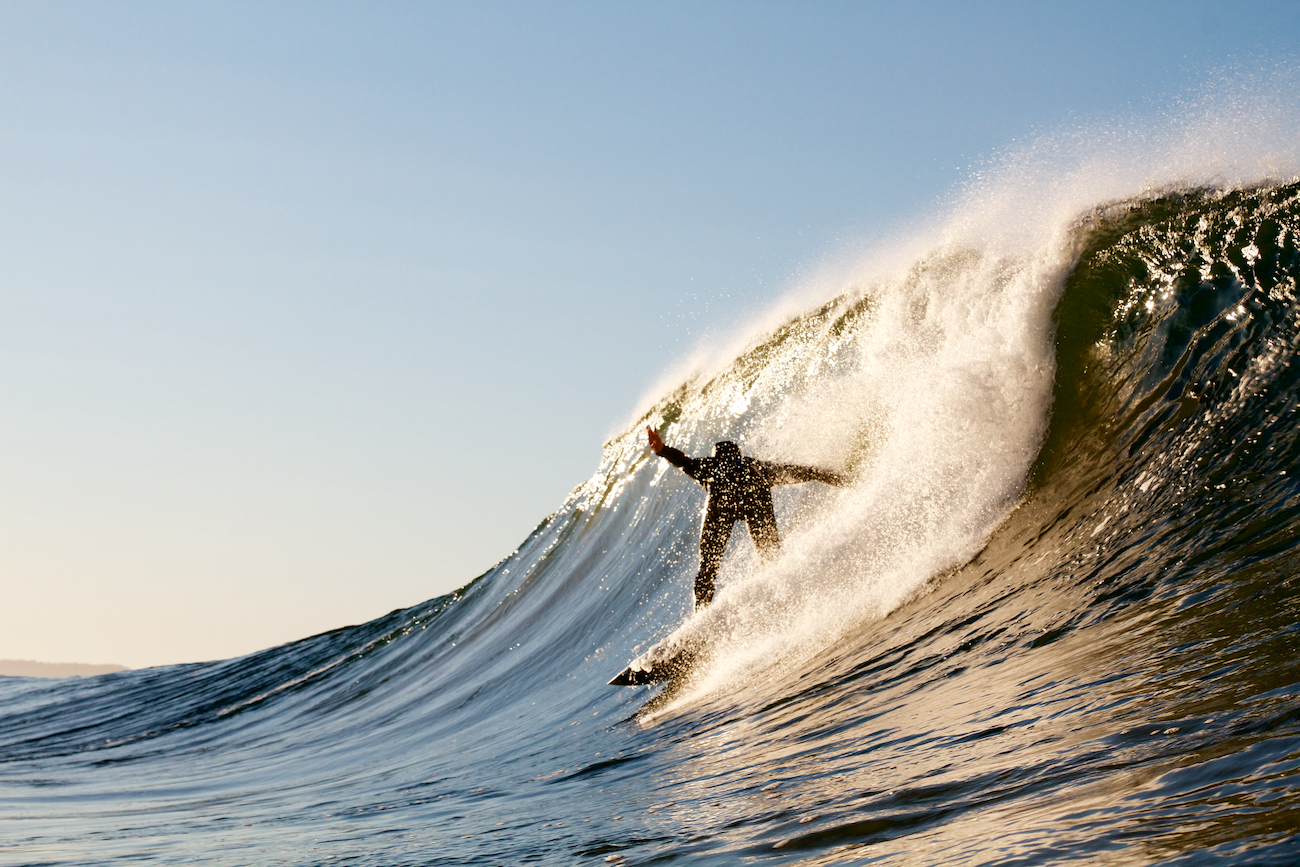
(726, 449)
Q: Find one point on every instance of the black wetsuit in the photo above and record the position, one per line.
(740, 489)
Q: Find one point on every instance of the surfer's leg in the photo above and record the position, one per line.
(713, 542)
(762, 529)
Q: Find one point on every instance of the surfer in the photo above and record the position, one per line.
(740, 489)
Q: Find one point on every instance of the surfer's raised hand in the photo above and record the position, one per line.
(656, 444)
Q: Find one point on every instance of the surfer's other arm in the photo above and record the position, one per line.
(793, 474)
(676, 457)
(656, 444)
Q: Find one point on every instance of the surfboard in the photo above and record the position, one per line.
(658, 665)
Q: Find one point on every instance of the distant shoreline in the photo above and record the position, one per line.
(29, 668)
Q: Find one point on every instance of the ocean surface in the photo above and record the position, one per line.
(1055, 618)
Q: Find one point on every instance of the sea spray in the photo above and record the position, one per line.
(935, 385)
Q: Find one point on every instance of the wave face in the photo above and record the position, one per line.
(1054, 618)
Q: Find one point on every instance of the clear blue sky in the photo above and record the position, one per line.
(309, 311)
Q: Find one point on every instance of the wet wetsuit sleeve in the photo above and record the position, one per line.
(693, 467)
(790, 474)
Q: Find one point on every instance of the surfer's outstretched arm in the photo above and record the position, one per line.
(790, 474)
(691, 466)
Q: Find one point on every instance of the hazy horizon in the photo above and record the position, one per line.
(33, 668)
